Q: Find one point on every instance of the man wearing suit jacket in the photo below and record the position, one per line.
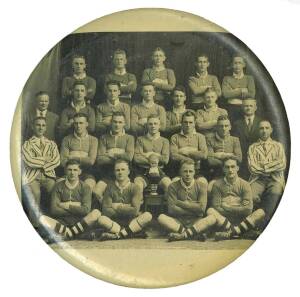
(247, 130)
(40, 157)
(41, 110)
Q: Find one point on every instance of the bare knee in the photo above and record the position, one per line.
(147, 216)
(95, 214)
(162, 218)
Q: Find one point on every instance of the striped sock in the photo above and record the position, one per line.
(226, 225)
(60, 228)
(190, 232)
(78, 228)
(243, 227)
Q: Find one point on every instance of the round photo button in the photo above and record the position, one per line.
(150, 148)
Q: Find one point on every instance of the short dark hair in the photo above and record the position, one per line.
(75, 56)
(40, 93)
(113, 83)
(179, 89)
(202, 55)
(210, 89)
(148, 83)
(233, 158)
(189, 113)
(119, 52)
(158, 49)
(119, 161)
(186, 162)
(223, 117)
(81, 115)
(38, 118)
(153, 116)
(118, 114)
(79, 83)
(72, 162)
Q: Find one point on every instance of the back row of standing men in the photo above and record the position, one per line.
(111, 120)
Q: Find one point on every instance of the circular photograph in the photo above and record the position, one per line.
(150, 148)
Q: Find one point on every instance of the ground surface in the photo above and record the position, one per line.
(239, 244)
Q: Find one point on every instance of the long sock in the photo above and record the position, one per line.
(79, 228)
(249, 223)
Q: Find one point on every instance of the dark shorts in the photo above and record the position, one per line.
(187, 221)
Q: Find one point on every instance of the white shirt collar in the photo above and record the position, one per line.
(238, 76)
(185, 186)
(155, 137)
(120, 72)
(78, 107)
(69, 186)
(249, 117)
(122, 188)
(41, 113)
(79, 76)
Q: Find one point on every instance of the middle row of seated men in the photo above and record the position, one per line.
(266, 160)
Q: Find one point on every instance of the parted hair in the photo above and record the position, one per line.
(80, 115)
(38, 118)
(79, 83)
(189, 113)
(72, 162)
(113, 83)
(118, 114)
(234, 158)
(119, 52)
(186, 162)
(39, 93)
(179, 89)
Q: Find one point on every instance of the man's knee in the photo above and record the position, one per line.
(95, 214)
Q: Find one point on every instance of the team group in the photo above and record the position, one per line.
(95, 163)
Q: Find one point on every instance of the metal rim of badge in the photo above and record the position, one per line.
(202, 129)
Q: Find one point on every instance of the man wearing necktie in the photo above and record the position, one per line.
(246, 129)
(267, 162)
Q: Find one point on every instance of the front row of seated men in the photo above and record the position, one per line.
(228, 204)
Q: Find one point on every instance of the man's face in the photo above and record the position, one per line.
(230, 169)
(265, 130)
(153, 125)
(79, 93)
(210, 98)
(78, 65)
(42, 102)
(117, 124)
(202, 64)
(249, 107)
(187, 173)
(39, 127)
(158, 57)
(148, 93)
(238, 64)
(223, 128)
(119, 60)
(112, 92)
(188, 124)
(80, 125)
(72, 172)
(179, 98)
(121, 171)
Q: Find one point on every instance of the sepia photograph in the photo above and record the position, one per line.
(152, 141)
